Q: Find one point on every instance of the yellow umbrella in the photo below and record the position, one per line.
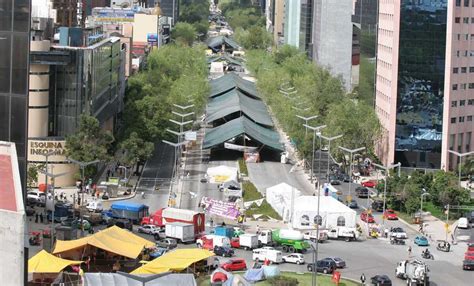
(44, 262)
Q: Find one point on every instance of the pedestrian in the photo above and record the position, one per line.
(409, 251)
(41, 217)
(88, 263)
(36, 218)
(212, 222)
(362, 279)
(386, 232)
(258, 229)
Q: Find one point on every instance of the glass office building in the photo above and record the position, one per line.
(421, 72)
(306, 24)
(14, 58)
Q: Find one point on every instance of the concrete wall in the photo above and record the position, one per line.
(332, 37)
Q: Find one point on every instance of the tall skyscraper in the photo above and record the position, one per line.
(424, 81)
(14, 67)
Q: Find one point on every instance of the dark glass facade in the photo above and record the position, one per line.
(14, 67)
(420, 83)
(306, 23)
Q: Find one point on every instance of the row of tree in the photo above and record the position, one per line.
(196, 14)
(286, 70)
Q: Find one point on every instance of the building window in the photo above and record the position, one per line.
(451, 141)
(462, 102)
(457, 54)
(463, 86)
(465, 20)
(466, 3)
(341, 221)
(458, 3)
(461, 119)
(471, 85)
(464, 69)
(460, 142)
(471, 69)
(466, 36)
(318, 220)
(455, 87)
(457, 20)
(469, 118)
(453, 120)
(459, 37)
(455, 70)
(470, 102)
(454, 103)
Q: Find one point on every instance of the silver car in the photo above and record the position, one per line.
(338, 261)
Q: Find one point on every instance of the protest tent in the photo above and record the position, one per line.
(221, 174)
(176, 260)
(113, 239)
(232, 81)
(44, 262)
(125, 279)
(280, 196)
(332, 212)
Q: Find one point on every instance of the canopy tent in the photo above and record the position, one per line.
(112, 239)
(216, 43)
(176, 260)
(44, 262)
(231, 81)
(239, 126)
(221, 174)
(225, 58)
(280, 196)
(235, 101)
(125, 279)
(333, 213)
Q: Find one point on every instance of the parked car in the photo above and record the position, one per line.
(369, 184)
(340, 263)
(469, 255)
(377, 205)
(148, 229)
(365, 217)
(323, 266)
(398, 232)
(122, 223)
(468, 264)
(352, 204)
(390, 214)
(36, 198)
(234, 264)
(168, 243)
(159, 251)
(333, 180)
(362, 192)
(223, 251)
(297, 258)
(421, 240)
(381, 280)
(344, 177)
(235, 242)
(463, 223)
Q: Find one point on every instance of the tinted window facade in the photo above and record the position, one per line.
(421, 83)
(14, 55)
(306, 23)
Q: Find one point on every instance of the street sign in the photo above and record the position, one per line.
(190, 136)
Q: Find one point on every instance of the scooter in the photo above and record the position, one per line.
(427, 255)
(35, 238)
(444, 246)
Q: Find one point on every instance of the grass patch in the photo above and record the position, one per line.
(434, 210)
(303, 280)
(251, 194)
(243, 167)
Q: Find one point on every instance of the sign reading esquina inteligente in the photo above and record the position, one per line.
(44, 147)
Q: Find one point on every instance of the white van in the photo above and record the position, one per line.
(95, 206)
(463, 223)
(272, 255)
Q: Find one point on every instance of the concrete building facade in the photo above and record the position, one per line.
(423, 96)
(292, 22)
(275, 14)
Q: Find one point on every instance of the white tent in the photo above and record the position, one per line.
(279, 197)
(221, 174)
(333, 213)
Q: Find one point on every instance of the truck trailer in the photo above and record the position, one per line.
(415, 272)
(166, 215)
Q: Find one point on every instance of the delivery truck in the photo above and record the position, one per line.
(248, 241)
(129, 210)
(290, 240)
(210, 241)
(182, 232)
(165, 215)
(267, 253)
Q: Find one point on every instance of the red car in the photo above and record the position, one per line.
(364, 216)
(234, 264)
(235, 242)
(469, 255)
(390, 214)
(369, 184)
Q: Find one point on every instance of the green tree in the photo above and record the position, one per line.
(90, 142)
(255, 37)
(32, 174)
(184, 33)
(136, 149)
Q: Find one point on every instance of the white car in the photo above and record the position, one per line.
(37, 197)
(149, 229)
(398, 232)
(294, 258)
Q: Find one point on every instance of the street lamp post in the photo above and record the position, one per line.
(386, 168)
(46, 167)
(306, 119)
(315, 129)
(175, 167)
(329, 139)
(351, 151)
(423, 194)
(460, 155)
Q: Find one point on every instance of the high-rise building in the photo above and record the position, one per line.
(424, 81)
(298, 24)
(66, 12)
(332, 38)
(14, 68)
(275, 14)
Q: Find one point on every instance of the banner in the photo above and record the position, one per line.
(220, 208)
(239, 147)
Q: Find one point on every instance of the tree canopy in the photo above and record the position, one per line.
(184, 33)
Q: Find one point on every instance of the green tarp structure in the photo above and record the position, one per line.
(240, 126)
(215, 43)
(225, 58)
(231, 81)
(235, 101)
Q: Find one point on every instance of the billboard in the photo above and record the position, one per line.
(112, 15)
(152, 38)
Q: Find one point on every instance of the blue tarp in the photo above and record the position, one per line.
(128, 206)
(254, 275)
(271, 271)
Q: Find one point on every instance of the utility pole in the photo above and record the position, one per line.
(315, 129)
(386, 169)
(351, 151)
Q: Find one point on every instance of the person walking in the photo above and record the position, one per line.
(409, 251)
(41, 217)
(36, 217)
(362, 279)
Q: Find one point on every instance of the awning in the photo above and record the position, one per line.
(225, 58)
(235, 101)
(176, 260)
(44, 262)
(112, 239)
(239, 126)
(215, 43)
(231, 81)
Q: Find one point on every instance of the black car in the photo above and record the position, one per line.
(324, 266)
(362, 192)
(377, 206)
(352, 204)
(333, 180)
(468, 264)
(223, 251)
(344, 177)
(381, 280)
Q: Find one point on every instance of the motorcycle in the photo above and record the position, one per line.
(35, 238)
(443, 246)
(427, 255)
(397, 241)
